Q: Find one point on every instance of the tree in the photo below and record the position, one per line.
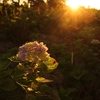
(55, 3)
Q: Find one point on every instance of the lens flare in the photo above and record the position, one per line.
(86, 3)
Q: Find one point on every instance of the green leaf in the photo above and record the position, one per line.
(45, 89)
(31, 76)
(62, 90)
(42, 67)
(78, 73)
(5, 73)
(70, 90)
(4, 65)
(19, 74)
(43, 80)
(87, 77)
(24, 82)
(51, 64)
(14, 59)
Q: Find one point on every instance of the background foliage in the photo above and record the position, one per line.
(68, 35)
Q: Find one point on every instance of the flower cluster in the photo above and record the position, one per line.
(32, 51)
(95, 41)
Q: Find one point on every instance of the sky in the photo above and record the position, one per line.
(15, 0)
(85, 3)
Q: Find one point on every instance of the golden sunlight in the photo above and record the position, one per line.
(86, 3)
(73, 4)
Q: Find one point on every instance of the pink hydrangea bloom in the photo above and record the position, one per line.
(32, 50)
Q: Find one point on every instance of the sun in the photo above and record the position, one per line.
(73, 4)
(86, 3)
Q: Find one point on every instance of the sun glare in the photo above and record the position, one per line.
(86, 3)
(72, 4)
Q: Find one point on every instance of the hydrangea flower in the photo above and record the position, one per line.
(33, 50)
(95, 41)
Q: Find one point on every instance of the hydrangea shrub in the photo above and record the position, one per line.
(32, 59)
